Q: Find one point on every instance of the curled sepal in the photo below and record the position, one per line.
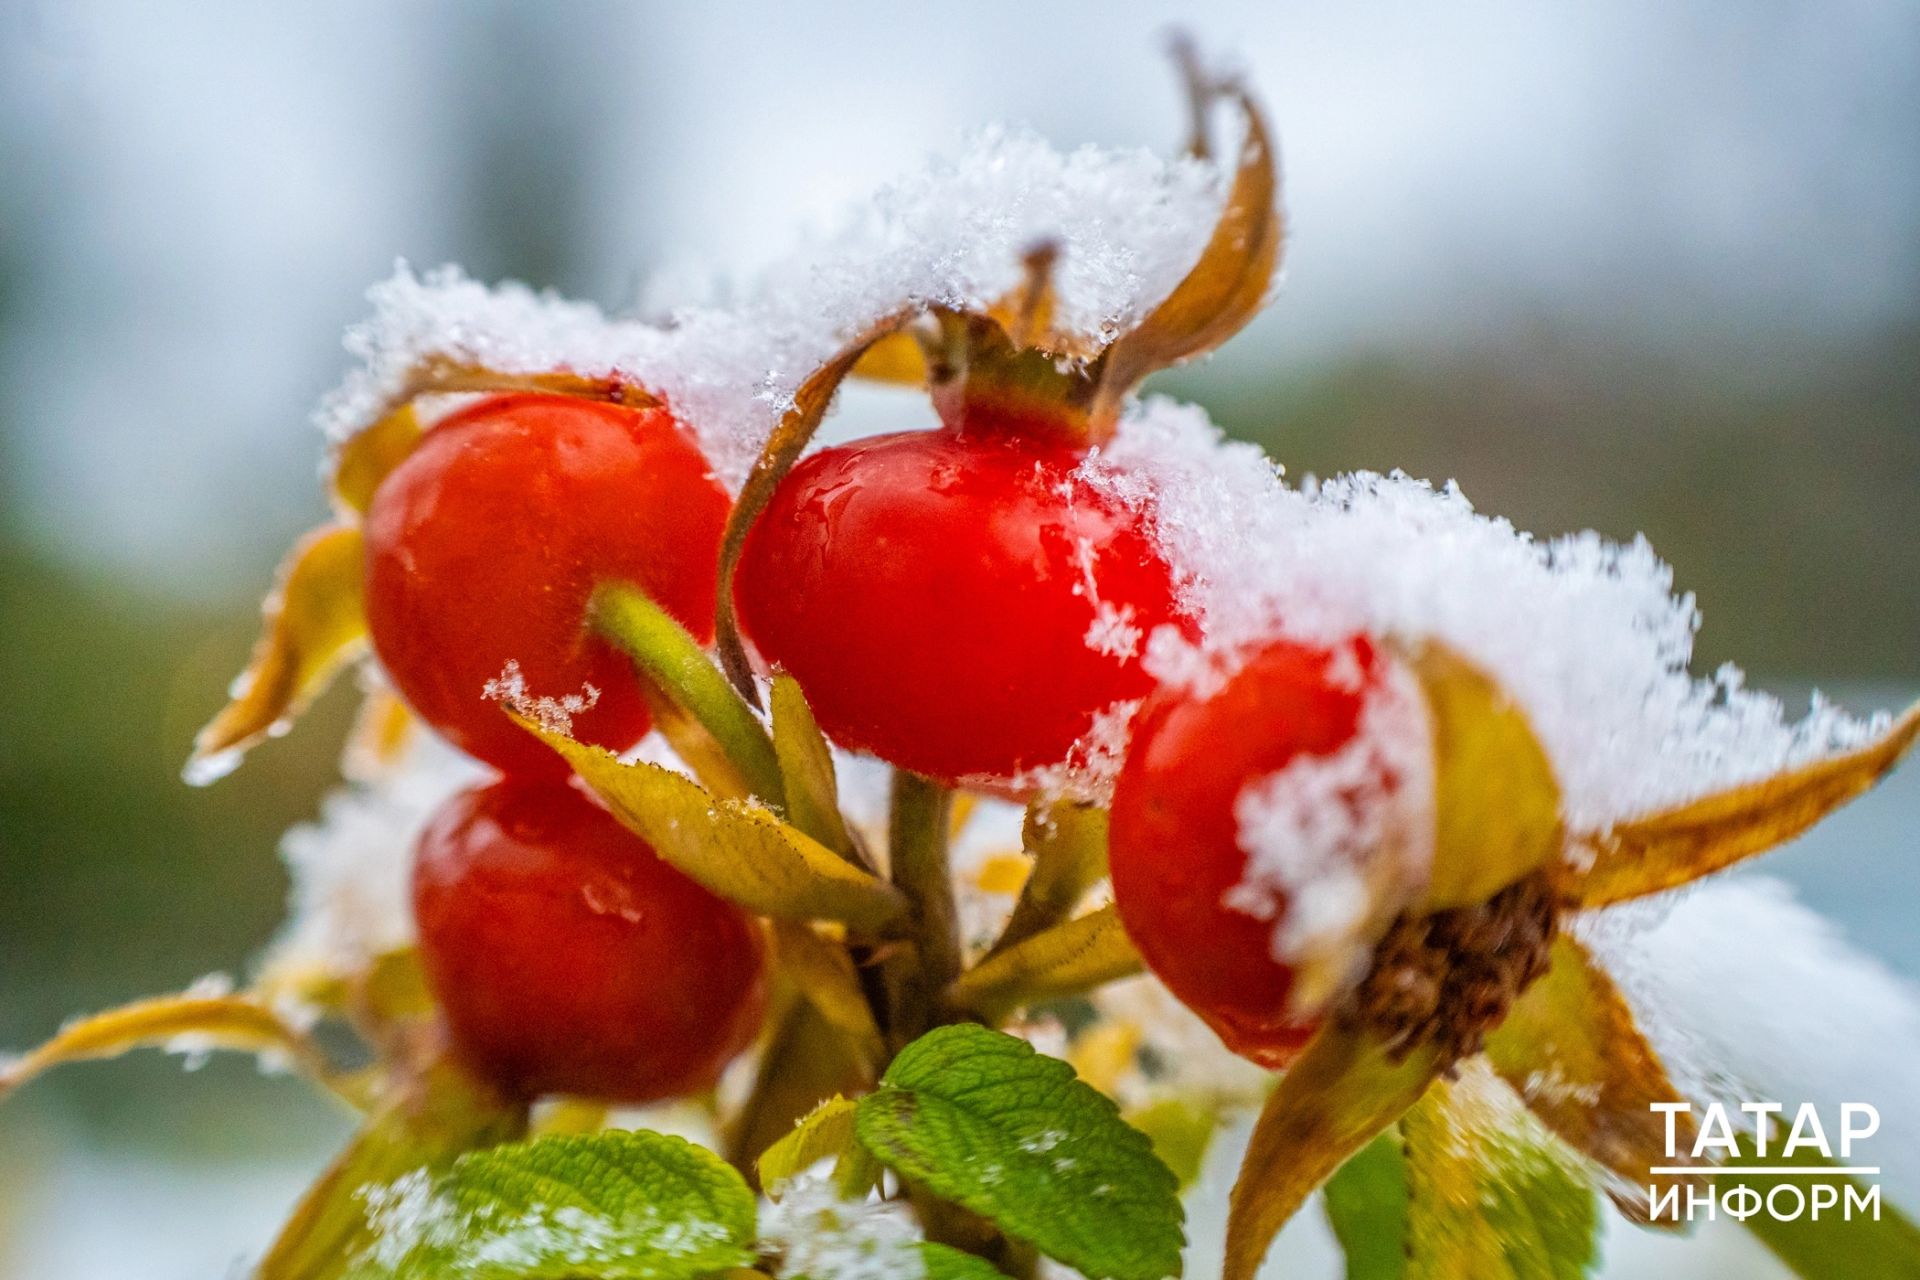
(777, 456)
(1344, 1088)
(439, 1113)
(186, 1023)
(1226, 287)
(1066, 960)
(1068, 842)
(314, 622)
(369, 455)
(1571, 1050)
(736, 848)
(1491, 1195)
(824, 973)
(1496, 804)
(1676, 846)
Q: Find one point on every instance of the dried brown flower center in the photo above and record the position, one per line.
(1449, 978)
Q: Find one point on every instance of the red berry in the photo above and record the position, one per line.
(940, 595)
(484, 545)
(1177, 848)
(568, 958)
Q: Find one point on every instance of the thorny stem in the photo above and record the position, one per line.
(917, 850)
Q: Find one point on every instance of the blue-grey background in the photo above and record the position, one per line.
(1647, 266)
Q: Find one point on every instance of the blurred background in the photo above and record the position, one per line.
(1652, 266)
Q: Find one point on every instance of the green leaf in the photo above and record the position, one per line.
(1367, 1207)
(1834, 1246)
(983, 1120)
(615, 1205)
(946, 1263)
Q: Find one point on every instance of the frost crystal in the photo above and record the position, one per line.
(1130, 225)
(1586, 635)
(820, 1234)
(555, 715)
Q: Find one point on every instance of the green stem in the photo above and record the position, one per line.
(673, 660)
(917, 851)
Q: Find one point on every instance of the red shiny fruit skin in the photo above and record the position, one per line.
(568, 958)
(926, 590)
(485, 543)
(1174, 847)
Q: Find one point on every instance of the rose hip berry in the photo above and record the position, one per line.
(568, 958)
(485, 544)
(1177, 850)
(956, 602)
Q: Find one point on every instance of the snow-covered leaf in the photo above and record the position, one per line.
(982, 1119)
(618, 1205)
(1496, 805)
(313, 623)
(1679, 845)
(1571, 1050)
(737, 849)
(1068, 959)
(1342, 1090)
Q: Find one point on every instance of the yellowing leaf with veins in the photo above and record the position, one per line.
(1571, 1050)
(240, 1023)
(1680, 845)
(314, 624)
(1340, 1092)
(735, 848)
(1496, 804)
(1066, 960)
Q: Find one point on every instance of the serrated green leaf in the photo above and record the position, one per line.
(946, 1263)
(983, 1120)
(615, 1205)
(1367, 1207)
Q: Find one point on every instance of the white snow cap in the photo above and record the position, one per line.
(1129, 223)
(1586, 635)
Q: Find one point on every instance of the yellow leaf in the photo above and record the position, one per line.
(806, 767)
(897, 358)
(1680, 845)
(368, 456)
(1225, 288)
(236, 1022)
(314, 623)
(1069, 846)
(1496, 804)
(442, 1113)
(735, 848)
(824, 973)
(782, 449)
(1066, 960)
(826, 1131)
(1570, 1049)
(1342, 1090)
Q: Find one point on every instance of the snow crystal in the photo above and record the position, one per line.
(1130, 225)
(819, 1234)
(350, 870)
(554, 714)
(1586, 635)
(1341, 840)
(1747, 995)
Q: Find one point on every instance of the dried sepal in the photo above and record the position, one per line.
(314, 623)
(824, 973)
(1344, 1088)
(1068, 842)
(185, 1022)
(1066, 960)
(806, 769)
(737, 849)
(1572, 1051)
(1676, 846)
(1496, 804)
(782, 449)
(369, 456)
(1225, 288)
